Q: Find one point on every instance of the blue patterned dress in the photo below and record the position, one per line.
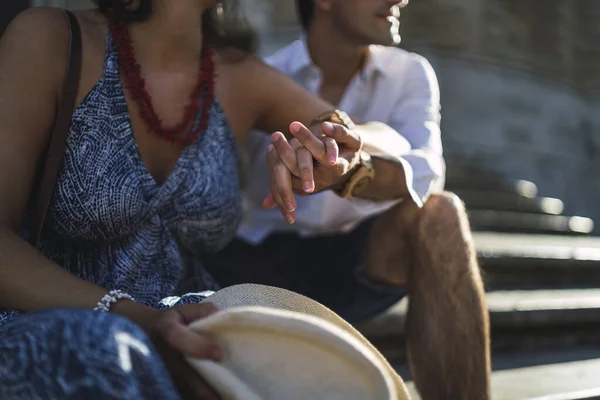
(111, 223)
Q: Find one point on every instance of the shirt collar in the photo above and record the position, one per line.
(301, 56)
(377, 60)
(302, 59)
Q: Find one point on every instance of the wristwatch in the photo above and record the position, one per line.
(335, 116)
(360, 179)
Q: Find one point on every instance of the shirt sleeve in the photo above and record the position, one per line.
(416, 116)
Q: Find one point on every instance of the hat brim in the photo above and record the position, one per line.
(282, 354)
(253, 295)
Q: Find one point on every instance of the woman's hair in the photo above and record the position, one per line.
(228, 29)
(306, 11)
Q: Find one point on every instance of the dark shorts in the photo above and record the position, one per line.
(328, 269)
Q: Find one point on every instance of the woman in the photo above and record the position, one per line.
(136, 199)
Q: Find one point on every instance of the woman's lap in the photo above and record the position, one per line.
(79, 354)
(82, 354)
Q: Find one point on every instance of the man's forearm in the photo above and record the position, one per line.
(389, 182)
(384, 145)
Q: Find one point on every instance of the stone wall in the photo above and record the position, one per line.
(527, 127)
(520, 86)
(555, 38)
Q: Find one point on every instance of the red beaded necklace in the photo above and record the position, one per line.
(203, 91)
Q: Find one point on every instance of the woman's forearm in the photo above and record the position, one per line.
(29, 281)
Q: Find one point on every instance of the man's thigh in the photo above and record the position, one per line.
(328, 269)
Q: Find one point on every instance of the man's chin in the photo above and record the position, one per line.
(387, 40)
(381, 38)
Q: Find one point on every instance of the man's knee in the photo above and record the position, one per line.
(445, 211)
(406, 231)
(439, 206)
(444, 204)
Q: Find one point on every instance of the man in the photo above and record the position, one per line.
(360, 253)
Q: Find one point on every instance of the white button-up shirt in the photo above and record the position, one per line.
(395, 87)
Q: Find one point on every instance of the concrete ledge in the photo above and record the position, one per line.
(512, 261)
(495, 245)
(520, 222)
(523, 311)
(501, 201)
(592, 394)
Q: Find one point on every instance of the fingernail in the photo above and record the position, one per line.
(289, 206)
(270, 148)
(275, 138)
(331, 160)
(328, 126)
(294, 128)
(290, 219)
(307, 186)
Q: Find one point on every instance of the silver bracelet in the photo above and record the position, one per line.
(112, 297)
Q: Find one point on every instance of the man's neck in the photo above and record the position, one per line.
(338, 58)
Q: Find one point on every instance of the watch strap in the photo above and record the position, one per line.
(335, 116)
(360, 178)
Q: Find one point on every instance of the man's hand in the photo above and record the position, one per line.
(309, 163)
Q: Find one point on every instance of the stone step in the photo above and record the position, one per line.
(550, 375)
(459, 166)
(513, 310)
(536, 309)
(522, 273)
(469, 174)
(499, 201)
(513, 261)
(491, 183)
(518, 222)
(520, 320)
(591, 394)
(496, 244)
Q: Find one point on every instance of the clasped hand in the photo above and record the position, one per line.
(309, 163)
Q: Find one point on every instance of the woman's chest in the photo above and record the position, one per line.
(105, 190)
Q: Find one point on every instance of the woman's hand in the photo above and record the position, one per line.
(293, 168)
(173, 339)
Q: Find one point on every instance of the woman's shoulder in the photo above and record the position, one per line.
(45, 31)
(37, 36)
(247, 70)
(38, 26)
(231, 59)
(37, 40)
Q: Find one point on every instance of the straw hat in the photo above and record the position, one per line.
(281, 345)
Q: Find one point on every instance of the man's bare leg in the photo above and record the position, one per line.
(447, 329)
